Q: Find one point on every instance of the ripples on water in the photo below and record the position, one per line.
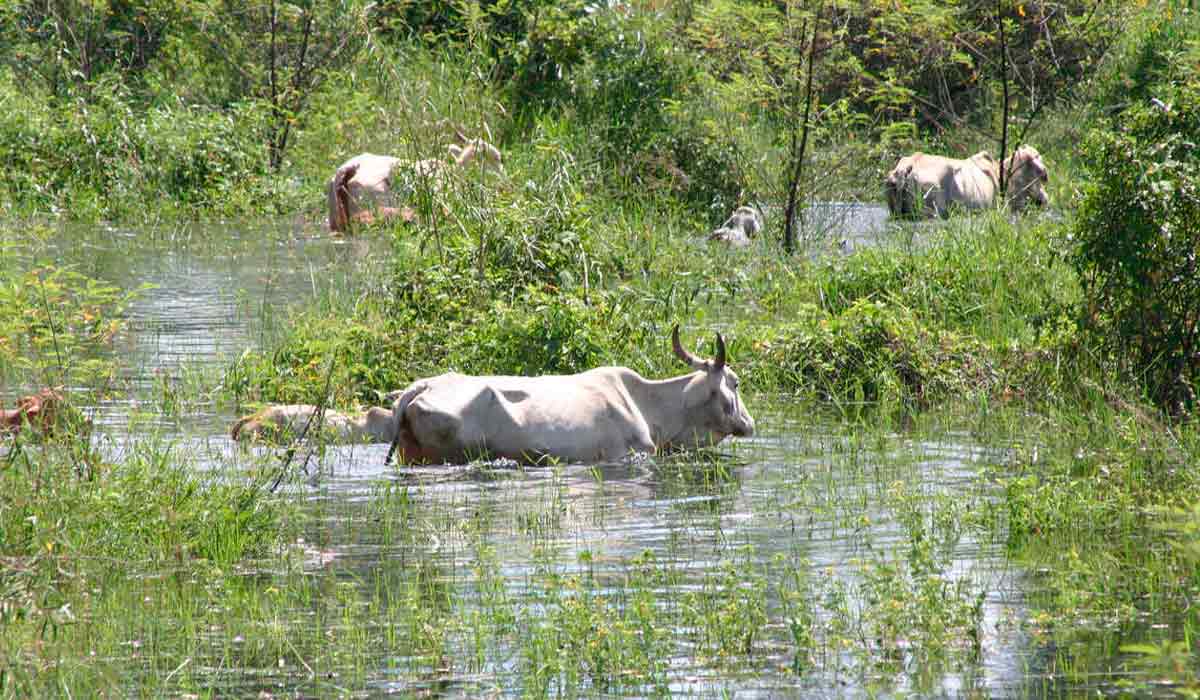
(803, 490)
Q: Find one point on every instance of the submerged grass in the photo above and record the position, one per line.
(81, 537)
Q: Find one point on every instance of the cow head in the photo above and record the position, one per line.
(477, 150)
(711, 402)
(1027, 177)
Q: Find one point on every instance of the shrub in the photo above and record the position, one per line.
(1138, 239)
(115, 159)
(873, 352)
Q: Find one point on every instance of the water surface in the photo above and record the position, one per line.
(446, 580)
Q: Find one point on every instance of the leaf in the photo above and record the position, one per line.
(1144, 649)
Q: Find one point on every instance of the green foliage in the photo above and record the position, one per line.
(57, 324)
(278, 54)
(65, 47)
(983, 277)
(589, 639)
(110, 159)
(526, 47)
(72, 526)
(875, 353)
(1086, 490)
(728, 612)
(919, 606)
(1138, 241)
(1162, 49)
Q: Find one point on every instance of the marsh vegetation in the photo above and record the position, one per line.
(973, 468)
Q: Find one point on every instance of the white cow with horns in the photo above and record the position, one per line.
(603, 414)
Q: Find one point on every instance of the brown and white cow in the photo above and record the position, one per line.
(289, 420)
(603, 414)
(364, 189)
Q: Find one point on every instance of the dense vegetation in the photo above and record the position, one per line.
(628, 129)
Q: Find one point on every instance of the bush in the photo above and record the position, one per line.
(874, 352)
(1138, 239)
(115, 159)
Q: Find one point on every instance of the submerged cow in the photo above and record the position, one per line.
(363, 190)
(739, 228)
(603, 414)
(928, 184)
(275, 422)
(41, 411)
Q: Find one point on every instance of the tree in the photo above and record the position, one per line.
(806, 55)
(1138, 244)
(68, 44)
(279, 52)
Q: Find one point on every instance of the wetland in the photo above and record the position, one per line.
(973, 468)
(832, 554)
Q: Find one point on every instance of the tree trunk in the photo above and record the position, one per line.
(798, 152)
(1004, 107)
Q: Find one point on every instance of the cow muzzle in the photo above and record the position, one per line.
(744, 428)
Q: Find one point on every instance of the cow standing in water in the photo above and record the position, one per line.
(930, 184)
(923, 184)
(364, 190)
(603, 414)
(743, 225)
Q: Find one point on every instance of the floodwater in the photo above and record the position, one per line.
(844, 508)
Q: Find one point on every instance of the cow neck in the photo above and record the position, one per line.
(377, 423)
(662, 406)
(374, 423)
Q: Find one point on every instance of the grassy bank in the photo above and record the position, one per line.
(982, 307)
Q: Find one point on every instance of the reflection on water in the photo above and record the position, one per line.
(212, 292)
(801, 491)
(804, 492)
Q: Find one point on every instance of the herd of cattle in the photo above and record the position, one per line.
(369, 187)
(603, 414)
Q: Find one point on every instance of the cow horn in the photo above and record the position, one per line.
(688, 358)
(719, 361)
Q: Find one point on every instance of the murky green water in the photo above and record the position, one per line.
(840, 561)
